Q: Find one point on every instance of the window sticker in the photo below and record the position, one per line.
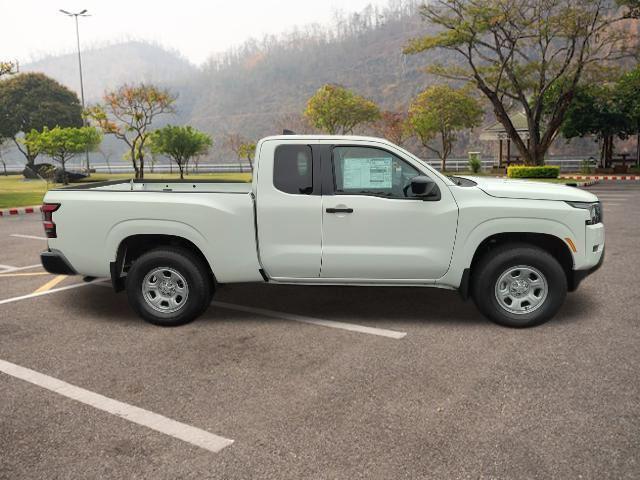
(366, 173)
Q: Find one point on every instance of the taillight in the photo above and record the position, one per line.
(47, 219)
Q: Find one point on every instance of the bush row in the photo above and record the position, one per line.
(523, 171)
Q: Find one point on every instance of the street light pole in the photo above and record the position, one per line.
(79, 61)
(83, 13)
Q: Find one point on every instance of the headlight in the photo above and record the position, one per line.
(595, 210)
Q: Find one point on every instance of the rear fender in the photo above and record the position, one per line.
(128, 228)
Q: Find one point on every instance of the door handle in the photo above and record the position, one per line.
(339, 210)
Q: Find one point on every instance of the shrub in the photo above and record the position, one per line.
(474, 162)
(50, 173)
(523, 171)
(42, 171)
(586, 166)
(71, 176)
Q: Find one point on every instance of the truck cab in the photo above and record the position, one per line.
(343, 210)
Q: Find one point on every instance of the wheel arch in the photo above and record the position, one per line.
(130, 248)
(550, 243)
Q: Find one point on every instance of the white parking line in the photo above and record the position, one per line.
(17, 269)
(53, 290)
(140, 416)
(314, 321)
(32, 237)
(381, 332)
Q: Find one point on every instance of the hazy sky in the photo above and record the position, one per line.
(32, 28)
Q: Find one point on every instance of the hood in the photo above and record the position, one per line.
(531, 190)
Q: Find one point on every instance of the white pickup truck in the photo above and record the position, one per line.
(339, 210)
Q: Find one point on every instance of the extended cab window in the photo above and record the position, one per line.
(371, 171)
(293, 169)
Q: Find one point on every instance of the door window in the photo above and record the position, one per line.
(371, 171)
(293, 169)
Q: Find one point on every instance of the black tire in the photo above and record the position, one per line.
(185, 264)
(496, 262)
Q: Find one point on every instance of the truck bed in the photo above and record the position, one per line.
(211, 186)
(217, 217)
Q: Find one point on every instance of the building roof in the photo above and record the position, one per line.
(496, 131)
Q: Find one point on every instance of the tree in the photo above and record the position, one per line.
(393, 126)
(515, 50)
(6, 68)
(628, 95)
(595, 110)
(180, 144)
(334, 109)
(127, 114)
(32, 101)
(235, 142)
(62, 144)
(248, 151)
(443, 111)
(3, 146)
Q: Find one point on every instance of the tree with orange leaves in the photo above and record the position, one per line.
(393, 126)
(128, 112)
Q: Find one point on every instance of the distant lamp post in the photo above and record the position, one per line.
(83, 13)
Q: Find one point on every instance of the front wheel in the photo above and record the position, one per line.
(519, 285)
(168, 286)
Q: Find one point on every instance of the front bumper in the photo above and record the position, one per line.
(54, 261)
(579, 275)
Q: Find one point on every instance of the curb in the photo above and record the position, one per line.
(602, 177)
(20, 211)
(585, 184)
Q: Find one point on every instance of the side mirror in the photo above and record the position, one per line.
(423, 186)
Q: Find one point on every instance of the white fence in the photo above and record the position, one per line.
(567, 164)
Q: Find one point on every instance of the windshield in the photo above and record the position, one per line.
(424, 163)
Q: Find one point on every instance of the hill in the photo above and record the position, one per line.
(109, 66)
(263, 85)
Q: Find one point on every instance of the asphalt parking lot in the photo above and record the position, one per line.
(429, 389)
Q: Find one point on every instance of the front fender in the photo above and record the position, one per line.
(466, 247)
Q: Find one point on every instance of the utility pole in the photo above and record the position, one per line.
(83, 13)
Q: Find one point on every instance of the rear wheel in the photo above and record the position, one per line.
(169, 286)
(519, 285)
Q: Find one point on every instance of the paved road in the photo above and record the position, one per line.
(457, 397)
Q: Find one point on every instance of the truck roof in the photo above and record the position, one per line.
(340, 138)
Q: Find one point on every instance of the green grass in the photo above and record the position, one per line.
(16, 191)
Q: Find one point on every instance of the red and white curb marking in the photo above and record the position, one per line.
(602, 177)
(20, 211)
(586, 184)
